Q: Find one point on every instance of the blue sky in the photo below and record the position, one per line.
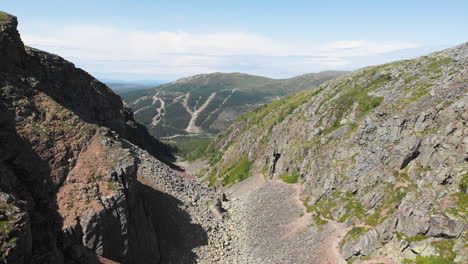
(166, 40)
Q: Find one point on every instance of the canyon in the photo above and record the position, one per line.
(363, 167)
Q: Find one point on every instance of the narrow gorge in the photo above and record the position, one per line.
(369, 166)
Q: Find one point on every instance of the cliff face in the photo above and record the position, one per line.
(79, 178)
(382, 149)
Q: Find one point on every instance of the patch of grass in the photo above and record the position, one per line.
(41, 130)
(4, 17)
(445, 252)
(355, 94)
(369, 104)
(354, 234)
(423, 169)
(464, 183)
(417, 238)
(354, 209)
(395, 195)
(237, 172)
(190, 148)
(290, 178)
(319, 221)
(323, 207)
(401, 176)
(461, 209)
(112, 186)
(436, 64)
(419, 91)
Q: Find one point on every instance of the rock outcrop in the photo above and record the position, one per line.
(382, 149)
(80, 180)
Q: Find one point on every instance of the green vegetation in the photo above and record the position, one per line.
(445, 254)
(319, 220)
(111, 185)
(352, 93)
(460, 210)
(278, 110)
(401, 176)
(4, 17)
(436, 64)
(189, 147)
(419, 91)
(7, 229)
(354, 209)
(417, 238)
(395, 195)
(290, 178)
(464, 183)
(40, 129)
(324, 206)
(250, 91)
(237, 172)
(354, 234)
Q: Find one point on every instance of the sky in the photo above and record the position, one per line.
(152, 40)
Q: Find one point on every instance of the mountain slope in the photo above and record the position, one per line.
(121, 87)
(211, 102)
(382, 150)
(79, 178)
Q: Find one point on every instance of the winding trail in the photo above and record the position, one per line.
(159, 111)
(191, 127)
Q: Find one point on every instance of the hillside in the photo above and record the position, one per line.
(380, 154)
(124, 87)
(80, 180)
(208, 103)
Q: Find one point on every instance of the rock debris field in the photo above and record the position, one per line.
(268, 224)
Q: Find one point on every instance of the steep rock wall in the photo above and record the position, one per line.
(383, 149)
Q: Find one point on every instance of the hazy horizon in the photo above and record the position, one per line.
(152, 40)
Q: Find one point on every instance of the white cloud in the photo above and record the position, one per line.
(365, 48)
(167, 55)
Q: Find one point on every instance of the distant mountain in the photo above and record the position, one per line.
(209, 103)
(122, 87)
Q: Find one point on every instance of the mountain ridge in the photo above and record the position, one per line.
(80, 180)
(229, 94)
(367, 147)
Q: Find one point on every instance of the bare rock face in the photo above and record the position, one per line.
(80, 180)
(383, 149)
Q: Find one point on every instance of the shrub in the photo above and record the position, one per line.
(238, 172)
(290, 178)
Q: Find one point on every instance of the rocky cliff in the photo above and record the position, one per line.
(80, 180)
(382, 150)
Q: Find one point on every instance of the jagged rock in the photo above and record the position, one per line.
(396, 165)
(363, 246)
(444, 227)
(80, 180)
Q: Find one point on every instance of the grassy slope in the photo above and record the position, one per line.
(4, 17)
(337, 100)
(358, 94)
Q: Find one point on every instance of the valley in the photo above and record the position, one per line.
(207, 104)
(360, 167)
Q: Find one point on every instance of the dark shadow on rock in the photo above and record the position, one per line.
(26, 180)
(177, 236)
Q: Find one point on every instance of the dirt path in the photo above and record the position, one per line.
(270, 225)
(192, 127)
